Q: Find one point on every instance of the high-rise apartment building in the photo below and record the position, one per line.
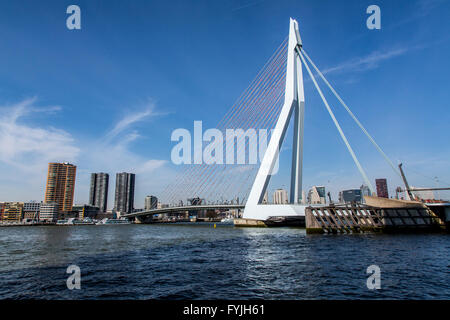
(124, 195)
(382, 189)
(61, 185)
(280, 196)
(151, 202)
(98, 195)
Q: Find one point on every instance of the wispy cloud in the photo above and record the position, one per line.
(129, 120)
(28, 147)
(246, 5)
(368, 62)
(374, 59)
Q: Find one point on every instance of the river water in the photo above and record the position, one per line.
(198, 261)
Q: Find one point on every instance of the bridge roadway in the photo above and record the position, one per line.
(183, 209)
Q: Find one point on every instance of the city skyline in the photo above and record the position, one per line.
(48, 116)
(124, 198)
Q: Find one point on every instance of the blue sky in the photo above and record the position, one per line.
(108, 96)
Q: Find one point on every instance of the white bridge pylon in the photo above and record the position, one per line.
(294, 105)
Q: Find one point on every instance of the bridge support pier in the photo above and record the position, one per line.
(242, 222)
(143, 219)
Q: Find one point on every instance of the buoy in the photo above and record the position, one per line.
(214, 225)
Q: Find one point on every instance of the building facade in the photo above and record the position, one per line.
(316, 195)
(49, 212)
(31, 210)
(2, 210)
(151, 202)
(280, 196)
(352, 195)
(382, 189)
(124, 195)
(60, 185)
(98, 195)
(13, 211)
(82, 211)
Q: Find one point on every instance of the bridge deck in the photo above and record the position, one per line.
(184, 209)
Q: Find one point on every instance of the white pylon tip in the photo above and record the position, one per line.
(297, 32)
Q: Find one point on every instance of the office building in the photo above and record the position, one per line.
(82, 211)
(60, 185)
(49, 212)
(98, 195)
(151, 202)
(280, 196)
(124, 195)
(382, 189)
(31, 210)
(348, 196)
(316, 195)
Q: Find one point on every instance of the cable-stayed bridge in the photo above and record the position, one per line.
(266, 107)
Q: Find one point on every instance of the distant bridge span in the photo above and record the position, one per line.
(184, 208)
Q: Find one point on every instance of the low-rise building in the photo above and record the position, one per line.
(82, 211)
(2, 210)
(351, 195)
(13, 211)
(49, 212)
(31, 210)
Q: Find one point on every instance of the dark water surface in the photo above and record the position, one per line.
(196, 261)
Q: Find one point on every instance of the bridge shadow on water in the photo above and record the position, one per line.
(201, 262)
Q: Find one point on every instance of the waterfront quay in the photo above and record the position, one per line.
(26, 224)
